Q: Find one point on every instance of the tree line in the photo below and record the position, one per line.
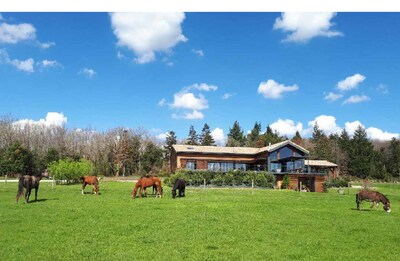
(30, 148)
(356, 155)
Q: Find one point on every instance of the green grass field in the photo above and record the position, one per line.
(209, 224)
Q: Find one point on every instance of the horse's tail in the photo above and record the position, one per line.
(20, 188)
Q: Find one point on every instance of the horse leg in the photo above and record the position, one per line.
(36, 191)
(83, 187)
(27, 194)
(358, 202)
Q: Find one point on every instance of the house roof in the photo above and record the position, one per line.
(235, 150)
(320, 163)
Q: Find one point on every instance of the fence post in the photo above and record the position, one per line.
(204, 183)
(5, 182)
(252, 186)
(300, 187)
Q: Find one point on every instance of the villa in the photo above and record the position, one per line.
(283, 158)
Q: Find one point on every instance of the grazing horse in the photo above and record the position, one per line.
(90, 180)
(29, 182)
(372, 196)
(180, 186)
(145, 182)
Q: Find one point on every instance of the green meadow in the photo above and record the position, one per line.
(208, 224)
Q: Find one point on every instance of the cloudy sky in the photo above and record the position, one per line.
(167, 71)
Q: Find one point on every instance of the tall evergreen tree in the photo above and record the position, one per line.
(235, 136)
(169, 141)
(361, 156)
(321, 149)
(272, 137)
(393, 158)
(297, 138)
(193, 138)
(254, 135)
(206, 138)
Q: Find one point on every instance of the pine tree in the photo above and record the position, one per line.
(297, 138)
(206, 138)
(235, 136)
(272, 137)
(361, 156)
(321, 149)
(169, 141)
(193, 138)
(393, 157)
(254, 135)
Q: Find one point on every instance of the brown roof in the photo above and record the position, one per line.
(320, 163)
(234, 150)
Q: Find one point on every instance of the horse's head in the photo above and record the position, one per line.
(45, 174)
(386, 207)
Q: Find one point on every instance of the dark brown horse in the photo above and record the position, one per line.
(145, 182)
(29, 182)
(179, 185)
(372, 196)
(90, 180)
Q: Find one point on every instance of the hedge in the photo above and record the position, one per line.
(230, 178)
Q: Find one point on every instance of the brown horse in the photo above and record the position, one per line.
(90, 180)
(372, 196)
(145, 182)
(29, 182)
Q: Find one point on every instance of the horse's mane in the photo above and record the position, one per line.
(384, 197)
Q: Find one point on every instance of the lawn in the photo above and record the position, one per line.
(208, 224)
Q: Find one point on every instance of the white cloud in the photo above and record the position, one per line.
(22, 65)
(356, 99)
(14, 33)
(286, 127)
(377, 134)
(120, 55)
(48, 63)
(147, 33)
(333, 96)
(190, 98)
(189, 101)
(372, 132)
(201, 87)
(350, 82)
(52, 119)
(194, 115)
(227, 95)
(162, 136)
(352, 126)
(382, 88)
(162, 102)
(325, 123)
(274, 90)
(302, 27)
(199, 53)
(47, 45)
(218, 136)
(89, 73)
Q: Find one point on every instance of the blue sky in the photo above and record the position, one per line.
(167, 71)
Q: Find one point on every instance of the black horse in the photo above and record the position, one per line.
(180, 186)
(29, 182)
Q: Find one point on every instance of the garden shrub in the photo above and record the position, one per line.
(285, 182)
(230, 178)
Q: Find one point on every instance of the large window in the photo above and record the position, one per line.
(240, 166)
(191, 165)
(226, 166)
(276, 167)
(214, 166)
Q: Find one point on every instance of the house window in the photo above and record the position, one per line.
(191, 165)
(226, 166)
(214, 166)
(276, 167)
(240, 166)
